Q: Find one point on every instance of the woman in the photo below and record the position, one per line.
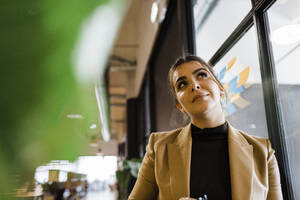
(208, 158)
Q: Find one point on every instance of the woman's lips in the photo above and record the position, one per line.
(199, 96)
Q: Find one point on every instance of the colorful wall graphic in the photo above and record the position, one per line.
(234, 81)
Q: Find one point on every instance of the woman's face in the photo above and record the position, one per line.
(196, 90)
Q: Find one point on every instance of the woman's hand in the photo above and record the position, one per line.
(187, 198)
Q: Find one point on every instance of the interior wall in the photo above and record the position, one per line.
(166, 115)
(147, 32)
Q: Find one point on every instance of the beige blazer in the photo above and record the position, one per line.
(165, 170)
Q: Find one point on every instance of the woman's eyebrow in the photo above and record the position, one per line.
(194, 72)
(180, 78)
(197, 70)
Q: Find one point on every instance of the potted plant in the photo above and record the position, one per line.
(126, 169)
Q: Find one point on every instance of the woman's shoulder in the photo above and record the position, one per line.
(254, 138)
(256, 141)
(164, 137)
(242, 135)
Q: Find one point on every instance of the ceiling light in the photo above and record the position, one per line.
(74, 116)
(93, 126)
(286, 35)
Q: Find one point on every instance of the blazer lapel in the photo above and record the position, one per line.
(241, 165)
(179, 158)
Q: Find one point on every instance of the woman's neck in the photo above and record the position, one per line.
(208, 121)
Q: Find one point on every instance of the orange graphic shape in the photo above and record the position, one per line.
(244, 75)
(235, 97)
(226, 86)
(231, 63)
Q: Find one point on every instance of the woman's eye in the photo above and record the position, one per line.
(202, 74)
(181, 85)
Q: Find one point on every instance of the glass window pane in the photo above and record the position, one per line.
(239, 72)
(284, 17)
(214, 22)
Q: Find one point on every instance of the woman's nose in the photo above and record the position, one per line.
(195, 87)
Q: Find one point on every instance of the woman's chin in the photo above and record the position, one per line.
(205, 109)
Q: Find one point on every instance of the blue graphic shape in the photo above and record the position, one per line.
(233, 89)
(232, 84)
(230, 108)
(222, 73)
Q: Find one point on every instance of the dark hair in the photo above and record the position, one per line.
(186, 59)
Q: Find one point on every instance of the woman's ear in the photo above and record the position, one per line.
(222, 93)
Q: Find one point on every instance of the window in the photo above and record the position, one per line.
(214, 21)
(284, 18)
(225, 36)
(239, 72)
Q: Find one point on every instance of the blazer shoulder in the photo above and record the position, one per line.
(256, 141)
(166, 137)
(253, 138)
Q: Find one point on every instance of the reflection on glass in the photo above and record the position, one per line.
(239, 72)
(284, 19)
(214, 22)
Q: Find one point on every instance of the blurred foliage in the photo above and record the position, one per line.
(38, 88)
(126, 169)
(123, 177)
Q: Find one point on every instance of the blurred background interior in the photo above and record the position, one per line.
(84, 83)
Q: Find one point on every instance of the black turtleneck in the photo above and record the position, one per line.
(210, 174)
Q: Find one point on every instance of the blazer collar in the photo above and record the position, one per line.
(184, 137)
(240, 162)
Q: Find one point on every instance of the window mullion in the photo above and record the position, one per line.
(272, 102)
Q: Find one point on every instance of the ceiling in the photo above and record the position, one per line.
(122, 65)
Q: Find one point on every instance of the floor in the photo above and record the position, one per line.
(99, 195)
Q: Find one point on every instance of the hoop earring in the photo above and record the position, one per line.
(223, 101)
